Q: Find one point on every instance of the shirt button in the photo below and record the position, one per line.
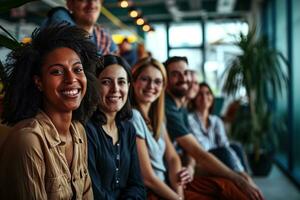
(74, 179)
(117, 181)
(117, 169)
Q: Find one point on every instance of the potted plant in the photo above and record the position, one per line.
(260, 71)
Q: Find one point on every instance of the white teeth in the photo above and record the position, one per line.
(70, 92)
(113, 97)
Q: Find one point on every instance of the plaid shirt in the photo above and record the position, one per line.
(103, 40)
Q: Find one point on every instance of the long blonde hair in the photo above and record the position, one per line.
(157, 109)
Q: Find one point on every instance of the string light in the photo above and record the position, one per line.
(140, 21)
(124, 3)
(146, 28)
(133, 13)
(136, 14)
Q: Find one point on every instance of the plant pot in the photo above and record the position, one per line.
(261, 166)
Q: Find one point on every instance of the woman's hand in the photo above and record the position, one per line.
(184, 176)
(246, 185)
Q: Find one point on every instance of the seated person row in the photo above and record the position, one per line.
(179, 130)
(209, 130)
(71, 76)
(163, 174)
(199, 101)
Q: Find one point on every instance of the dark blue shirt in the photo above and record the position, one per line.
(177, 119)
(114, 169)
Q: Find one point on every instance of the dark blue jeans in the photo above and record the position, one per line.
(224, 155)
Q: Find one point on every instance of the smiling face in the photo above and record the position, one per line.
(113, 89)
(148, 85)
(62, 81)
(177, 78)
(204, 99)
(85, 12)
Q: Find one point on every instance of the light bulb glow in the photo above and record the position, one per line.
(140, 21)
(124, 4)
(133, 13)
(146, 28)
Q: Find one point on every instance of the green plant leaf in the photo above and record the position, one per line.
(261, 70)
(8, 42)
(8, 33)
(3, 77)
(6, 5)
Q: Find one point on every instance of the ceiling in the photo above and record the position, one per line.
(176, 10)
(153, 10)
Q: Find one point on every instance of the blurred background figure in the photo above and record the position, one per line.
(142, 52)
(193, 84)
(128, 51)
(210, 132)
(180, 131)
(84, 14)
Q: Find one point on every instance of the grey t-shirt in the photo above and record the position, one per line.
(156, 149)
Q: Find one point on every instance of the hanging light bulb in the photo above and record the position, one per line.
(124, 3)
(133, 13)
(146, 27)
(140, 21)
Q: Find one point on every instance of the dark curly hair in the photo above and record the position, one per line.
(126, 112)
(22, 99)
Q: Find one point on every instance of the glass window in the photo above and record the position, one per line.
(282, 100)
(295, 84)
(220, 50)
(156, 42)
(194, 57)
(185, 35)
(224, 32)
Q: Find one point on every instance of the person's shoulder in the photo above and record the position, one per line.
(31, 125)
(58, 11)
(215, 118)
(136, 114)
(79, 128)
(170, 104)
(192, 116)
(90, 128)
(27, 134)
(126, 124)
(128, 128)
(57, 16)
